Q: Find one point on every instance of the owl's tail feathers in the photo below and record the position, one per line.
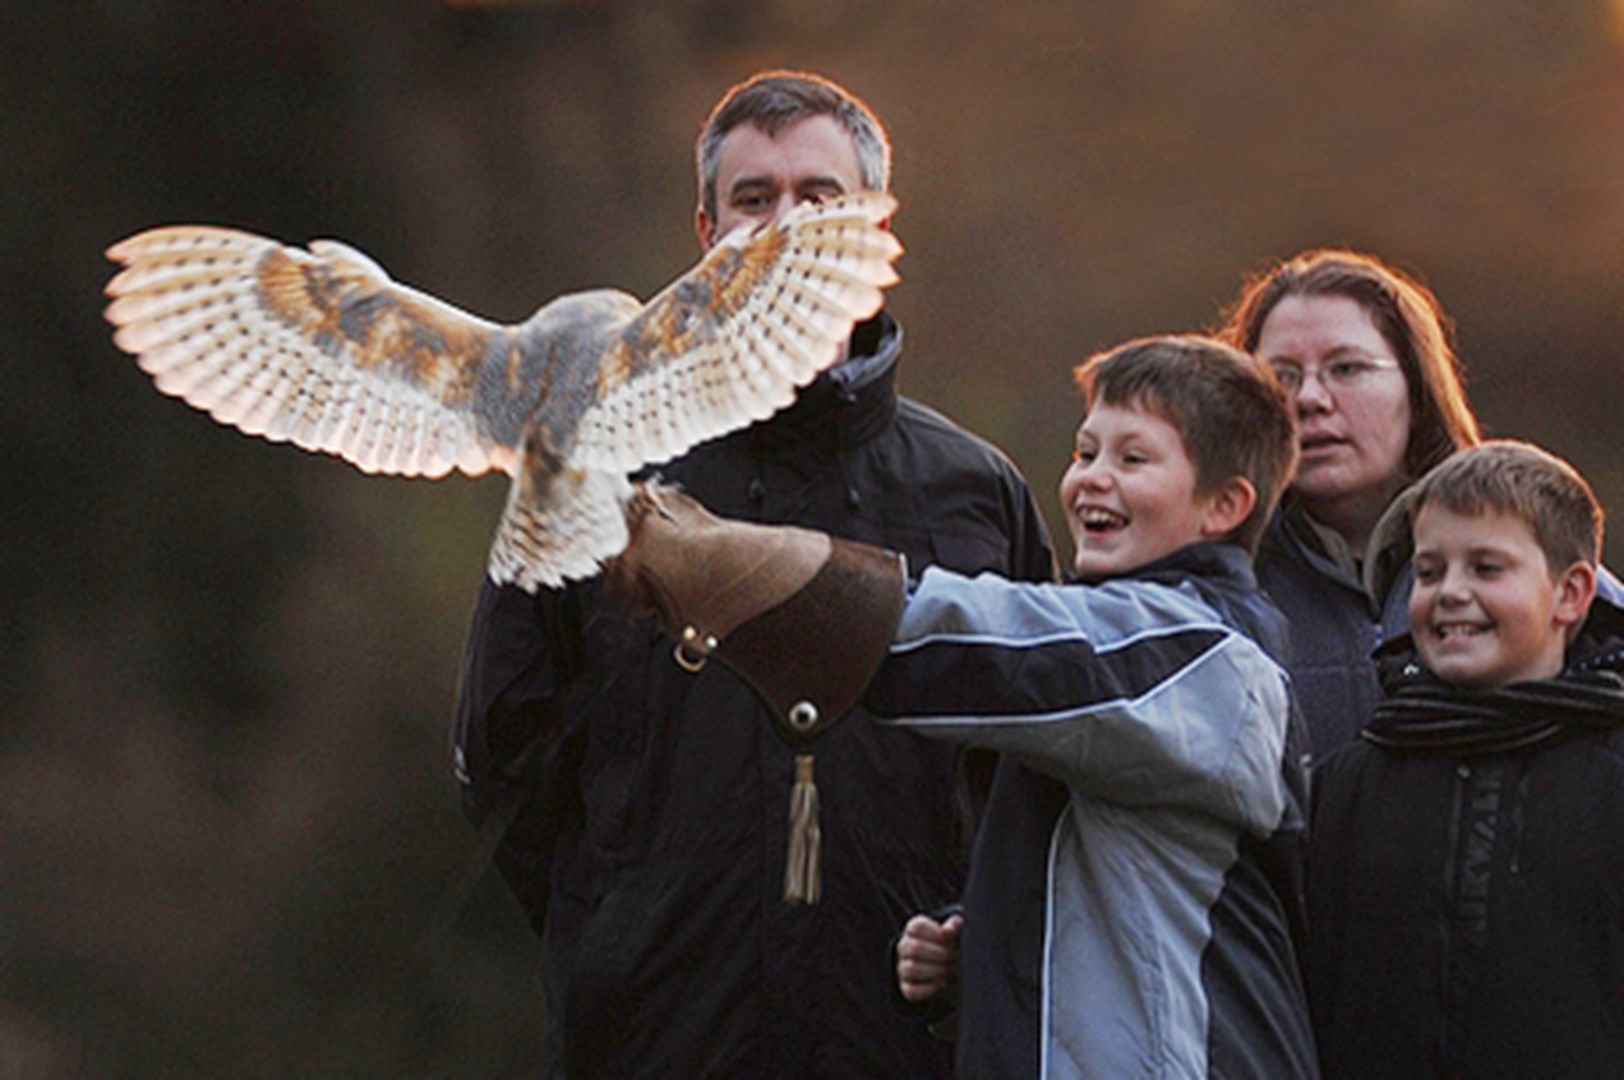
(558, 527)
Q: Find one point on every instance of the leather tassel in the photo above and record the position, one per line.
(803, 877)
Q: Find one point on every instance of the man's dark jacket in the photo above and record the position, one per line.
(1466, 880)
(651, 834)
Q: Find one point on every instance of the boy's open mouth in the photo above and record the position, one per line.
(1446, 631)
(1098, 519)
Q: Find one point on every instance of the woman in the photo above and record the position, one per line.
(1365, 351)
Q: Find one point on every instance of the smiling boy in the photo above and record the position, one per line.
(1135, 891)
(1466, 880)
(1488, 607)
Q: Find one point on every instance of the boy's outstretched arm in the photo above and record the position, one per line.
(926, 956)
(1138, 693)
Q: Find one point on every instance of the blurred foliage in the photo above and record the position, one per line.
(229, 830)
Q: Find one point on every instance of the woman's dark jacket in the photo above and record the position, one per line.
(1466, 880)
(650, 840)
(1336, 622)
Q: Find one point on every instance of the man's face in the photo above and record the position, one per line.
(760, 177)
(1486, 610)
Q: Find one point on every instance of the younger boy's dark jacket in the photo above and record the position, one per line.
(1466, 880)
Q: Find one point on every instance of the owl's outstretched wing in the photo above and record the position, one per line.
(315, 347)
(730, 341)
(321, 348)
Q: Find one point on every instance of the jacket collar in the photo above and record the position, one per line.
(1390, 546)
(1223, 575)
(1225, 564)
(850, 403)
(1294, 534)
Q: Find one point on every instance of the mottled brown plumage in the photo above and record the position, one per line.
(322, 349)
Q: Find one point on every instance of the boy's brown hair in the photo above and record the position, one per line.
(1529, 483)
(1228, 408)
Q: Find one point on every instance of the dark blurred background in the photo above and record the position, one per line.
(229, 835)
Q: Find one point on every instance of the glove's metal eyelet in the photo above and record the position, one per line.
(692, 651)
(803, 716)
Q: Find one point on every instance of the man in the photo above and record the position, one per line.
(651, 831)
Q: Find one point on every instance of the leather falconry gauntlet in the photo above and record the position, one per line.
(803, 617)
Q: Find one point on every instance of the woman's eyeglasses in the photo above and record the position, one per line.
(1345, 373)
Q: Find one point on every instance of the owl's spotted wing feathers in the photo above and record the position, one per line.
(319, 348)
(323, 349)
(732, 340)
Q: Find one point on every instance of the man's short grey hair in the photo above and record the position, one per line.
(772, 100)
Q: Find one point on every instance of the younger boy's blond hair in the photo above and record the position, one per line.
(1526, 482)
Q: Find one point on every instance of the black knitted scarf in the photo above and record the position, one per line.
(1431, 716)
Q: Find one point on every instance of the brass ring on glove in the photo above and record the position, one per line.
(693, 661)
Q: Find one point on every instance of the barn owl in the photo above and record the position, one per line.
(323, 349)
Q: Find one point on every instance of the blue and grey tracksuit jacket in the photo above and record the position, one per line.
(1135, 901)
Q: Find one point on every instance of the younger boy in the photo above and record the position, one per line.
(1466, 879)
(1135, 888)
